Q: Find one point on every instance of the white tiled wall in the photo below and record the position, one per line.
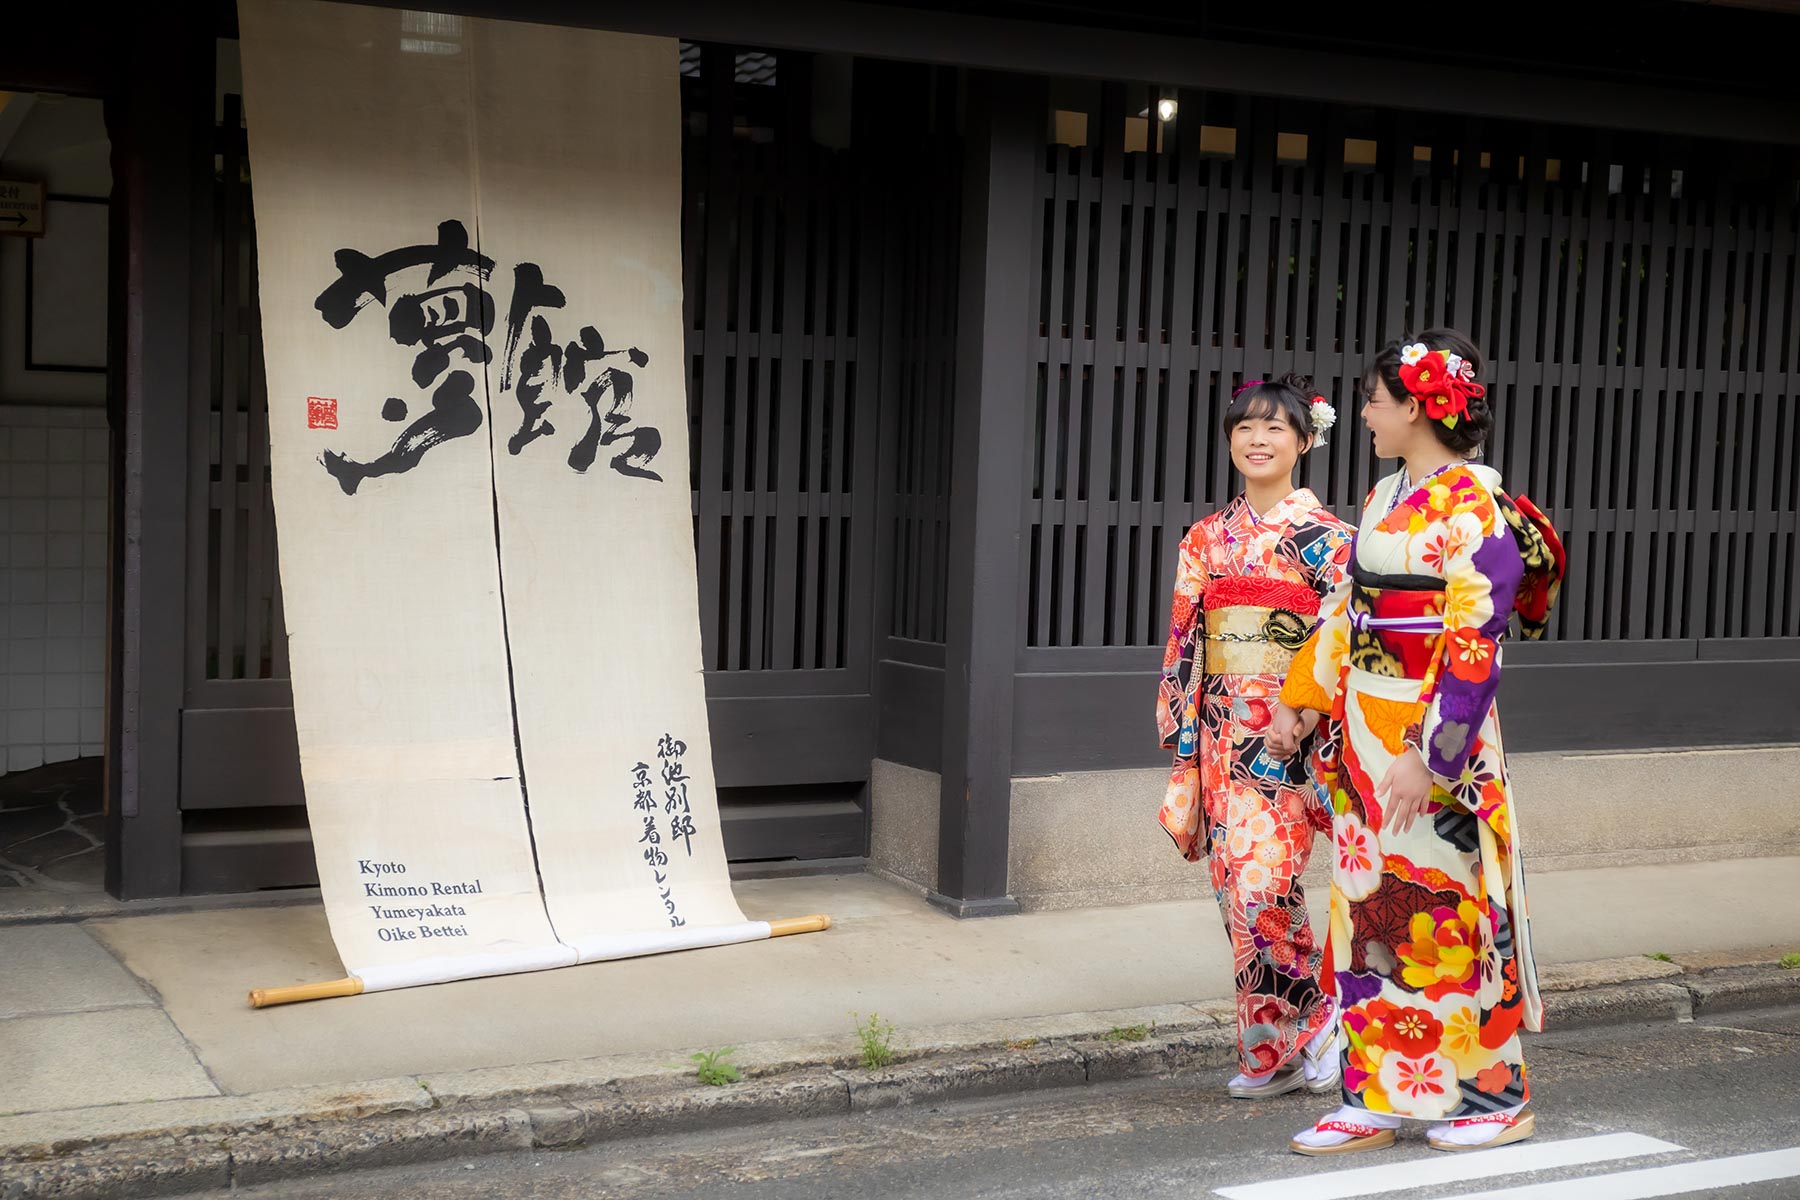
(53, 551)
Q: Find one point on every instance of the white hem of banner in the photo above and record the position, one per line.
(599, 948)
(606, 946)
(446, 967)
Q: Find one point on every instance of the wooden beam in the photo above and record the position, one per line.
(893, 31)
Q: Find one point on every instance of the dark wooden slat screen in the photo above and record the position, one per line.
(234, 627)
(777, 254)
(1635, 297)
(924, 232)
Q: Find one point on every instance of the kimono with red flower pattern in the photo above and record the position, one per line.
(1428, 950)
(1246, 594)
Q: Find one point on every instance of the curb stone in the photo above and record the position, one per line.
(1736, 988)
(217, 1117)
(668, 1109)
(167, 1170)
(267, 1157)
(552, 1128)
(1574, 977)
(1620, 1004)
(383, 1126)
(965, 1078)
(1166, 1055)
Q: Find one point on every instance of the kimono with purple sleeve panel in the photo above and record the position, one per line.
(1428, 949)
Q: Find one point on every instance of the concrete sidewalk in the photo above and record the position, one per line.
(132, 1009)
(131, 1065)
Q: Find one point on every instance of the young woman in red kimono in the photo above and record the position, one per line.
(1248, 588)
(1429, 950)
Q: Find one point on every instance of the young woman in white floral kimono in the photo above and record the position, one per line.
(1428, 950)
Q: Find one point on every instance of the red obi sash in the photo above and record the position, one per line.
(1395, 624)
(1260, 591)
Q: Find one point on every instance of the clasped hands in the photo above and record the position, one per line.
(1404, 789)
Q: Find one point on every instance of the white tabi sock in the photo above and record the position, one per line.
(1322, 1139)
(1319, 1056)
(1472, 1131)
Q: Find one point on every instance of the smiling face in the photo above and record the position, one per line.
(1394, 423)
(1265, 447)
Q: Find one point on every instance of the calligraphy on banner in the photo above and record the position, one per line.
(677, 816)
(439, 306)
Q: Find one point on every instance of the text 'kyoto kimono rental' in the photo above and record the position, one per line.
(1428, 949)
(1247, 592)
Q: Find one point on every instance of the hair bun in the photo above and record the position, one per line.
(1300, 383)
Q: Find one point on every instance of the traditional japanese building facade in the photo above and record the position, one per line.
(964, 297)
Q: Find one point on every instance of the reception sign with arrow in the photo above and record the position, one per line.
(21, 208)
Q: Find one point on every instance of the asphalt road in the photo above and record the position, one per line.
(1715, 1090)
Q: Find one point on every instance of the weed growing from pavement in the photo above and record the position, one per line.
(1128, 1033)
(1790, 962)
(713, 1068)
(1659, 956)
(877, 1039)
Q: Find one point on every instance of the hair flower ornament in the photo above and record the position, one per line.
(1323, 418)
(1443, 383)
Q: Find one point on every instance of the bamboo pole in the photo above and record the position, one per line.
(268, 997)
(264, 997)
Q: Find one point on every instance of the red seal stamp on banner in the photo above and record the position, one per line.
(321, 413)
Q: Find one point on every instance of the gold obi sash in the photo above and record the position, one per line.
(1255, 625)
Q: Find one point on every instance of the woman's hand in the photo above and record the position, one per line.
(1404, 791)
(1287, 729)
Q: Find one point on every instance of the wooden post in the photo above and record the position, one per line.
(159, 118)
(1004, 138)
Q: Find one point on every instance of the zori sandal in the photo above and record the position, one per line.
(1507, 1128)
(1357, 1137)
(1278, 1082)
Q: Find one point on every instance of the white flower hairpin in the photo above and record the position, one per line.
(1324, 416)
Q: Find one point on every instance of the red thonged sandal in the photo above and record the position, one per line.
(1513, 1127)
(1362, 1137)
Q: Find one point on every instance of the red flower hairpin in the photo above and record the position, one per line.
(1443, 382)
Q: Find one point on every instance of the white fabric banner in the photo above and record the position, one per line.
(579, 169)
(470, 271)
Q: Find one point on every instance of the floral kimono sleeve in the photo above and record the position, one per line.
(1182, 660)
(1482, 569)
(1312, 679)
(1327, 560)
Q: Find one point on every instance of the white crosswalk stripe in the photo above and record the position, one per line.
(1676, 1179)
(1439, 1168)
